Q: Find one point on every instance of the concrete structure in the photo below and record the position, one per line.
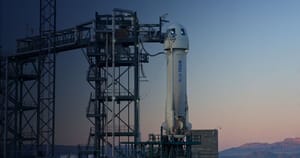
(209, 143)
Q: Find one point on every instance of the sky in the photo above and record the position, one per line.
(243, 65)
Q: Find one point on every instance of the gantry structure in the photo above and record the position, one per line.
(28, 92)
(114, 74)
(112, 45)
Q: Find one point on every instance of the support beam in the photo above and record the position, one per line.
(46, 80)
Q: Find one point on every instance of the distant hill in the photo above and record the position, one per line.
(288, 148)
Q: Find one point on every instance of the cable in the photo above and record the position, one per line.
(146, 52)
(153, 55)
(143, 72)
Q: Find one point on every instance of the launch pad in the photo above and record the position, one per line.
(197, 144)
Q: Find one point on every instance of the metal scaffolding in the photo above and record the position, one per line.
(20, 107)
(114, 75)
(27, 86)
(27, 80)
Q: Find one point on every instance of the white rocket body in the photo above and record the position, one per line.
(176, 45)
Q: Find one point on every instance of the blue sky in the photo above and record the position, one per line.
(243, 65)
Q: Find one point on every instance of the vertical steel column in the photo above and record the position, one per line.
(46, 81)
(113, 84)
(5, 106)
(2, 107)
(136, 80)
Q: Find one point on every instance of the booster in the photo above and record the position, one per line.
(176, 45)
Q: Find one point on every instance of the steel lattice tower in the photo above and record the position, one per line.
(114, 75)
(20, 107)
(28, 93)
(46, 78)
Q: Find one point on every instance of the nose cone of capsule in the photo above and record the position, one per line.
(176, 38)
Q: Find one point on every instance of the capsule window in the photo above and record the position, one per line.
(172, 32)
(182, 32)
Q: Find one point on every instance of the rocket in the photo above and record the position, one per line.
(176, 46)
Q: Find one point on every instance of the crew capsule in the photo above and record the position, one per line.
(176, 37)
